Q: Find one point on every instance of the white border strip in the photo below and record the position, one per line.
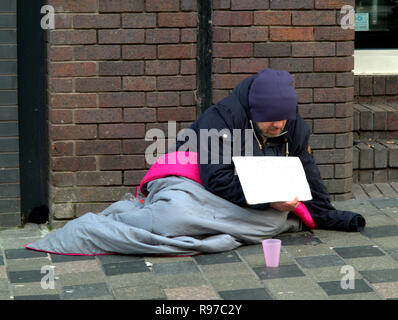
(376, 62)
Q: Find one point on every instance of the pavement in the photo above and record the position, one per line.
(316, 265)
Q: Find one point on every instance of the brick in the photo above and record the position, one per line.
(97, 52)
(366, 156)
(74, 6)
(72, 69)
(121, 99)
(343, 170)
(392, 153)
(332, 156)
(379, 118)
(344, 48)
(162, 67)
(73, 100)
(83, 208)
(321, 141)
(135, 146)
(122, 162)
(248, 65)
(133, 177)
(180, 20)
(73, 164)
(345, 79)
(366, 85)
(292, 64)
(98, 178)
(379, 85)
(96, 21)
(221, 81)
(221, 34)
(188, 35)
(291, 34)
(355, 157)
(64, 179)
(272, 49)
(121, 5)
(333, 94)
(180, 51)
(391, 84)
(380, 155)
(73, 37)
(125, 36)
(339, 185)
(98, 115)
(160, 5)
(249, 34)
(333, 4)
(96, 147)
(139, 83)
(61, 116)
(249, 4)
(188, 67)
(344, 140)
(60, 85)
(138, 52)
(313, 18)
(314, 80)
(73, 132)
(304, 96)
(327, 171)
(60, 53)
(326, 110)
(332, 125)
(165, 35)
(63, 210)
(139, 114)
(189, 5)
(121, 131)
(90, 194)
(121, 68)
(333, 64)
(232, 18)
(292, 4)
(176, 114)
(344, 110)
(162, 99)
(365, 117)
(61, 149)
(221, 65)
(232, 50)
(98, 84)
(139, 20)
(63, 21)
(333, 34)
(166, 83)
(313, 49)
(270, 18)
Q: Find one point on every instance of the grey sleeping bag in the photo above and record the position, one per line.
(178, 217)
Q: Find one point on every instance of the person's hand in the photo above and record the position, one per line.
(285, 206)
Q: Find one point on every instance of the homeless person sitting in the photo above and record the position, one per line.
(193, 206)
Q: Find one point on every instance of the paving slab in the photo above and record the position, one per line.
(313, 266)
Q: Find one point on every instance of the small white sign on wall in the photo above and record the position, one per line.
(362, 21)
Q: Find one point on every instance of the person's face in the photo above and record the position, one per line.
(271, 129)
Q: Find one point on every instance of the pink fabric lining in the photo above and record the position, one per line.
(180, 163)
(302, 212)
(68, 254)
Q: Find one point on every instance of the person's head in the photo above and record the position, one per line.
(272, 101)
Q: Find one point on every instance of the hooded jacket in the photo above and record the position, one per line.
(217, 171)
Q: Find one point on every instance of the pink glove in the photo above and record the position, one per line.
(302, 212)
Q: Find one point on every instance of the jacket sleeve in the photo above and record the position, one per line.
(216, 168)
(322, 211)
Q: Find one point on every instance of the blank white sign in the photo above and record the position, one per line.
(272, 179)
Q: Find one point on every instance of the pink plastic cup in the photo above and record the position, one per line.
(272, 252)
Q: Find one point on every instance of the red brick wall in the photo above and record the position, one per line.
(117, 68)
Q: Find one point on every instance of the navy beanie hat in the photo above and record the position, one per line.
(272, 96)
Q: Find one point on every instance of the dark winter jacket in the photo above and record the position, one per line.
(219, 177)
